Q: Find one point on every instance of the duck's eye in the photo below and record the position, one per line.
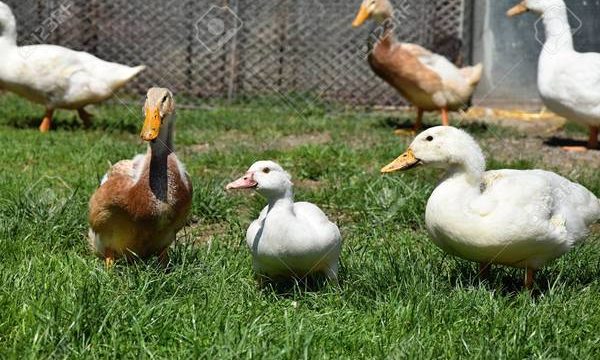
(164, 99)
(429, 138)
(266, 170)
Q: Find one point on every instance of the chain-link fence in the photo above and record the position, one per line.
(241, 48)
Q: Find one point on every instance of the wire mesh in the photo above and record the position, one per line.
(241, 48)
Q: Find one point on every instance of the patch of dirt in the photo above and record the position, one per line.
(535, 149)
(292, 141)
(308, 183)
(281, 143)
(199, 232)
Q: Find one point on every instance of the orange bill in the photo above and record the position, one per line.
(517, 9)
(361, 17)
(152, 124)
(403, 162)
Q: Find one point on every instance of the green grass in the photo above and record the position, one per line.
(400, 296)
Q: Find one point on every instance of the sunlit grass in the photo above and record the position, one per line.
(400, 296)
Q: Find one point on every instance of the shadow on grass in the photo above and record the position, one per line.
(289, 288)
(72, 124)
(509, 282)
(407, 123)
(560, 142)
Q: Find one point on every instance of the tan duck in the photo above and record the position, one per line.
(142, 203)
(427, 80)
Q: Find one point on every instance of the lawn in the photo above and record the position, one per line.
(400, 296)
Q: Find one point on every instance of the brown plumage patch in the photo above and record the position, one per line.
(399, 65)
(128, 218)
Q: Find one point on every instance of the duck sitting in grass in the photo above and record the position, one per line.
(54, 76)
(288, 239)
(142, 203)
(519, 218)
(568, 81)
(427, 80)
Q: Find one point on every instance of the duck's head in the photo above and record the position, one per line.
(378, 10)
(443, 147)
(537, 6)
(267, 177)
(158, 111)
(7, 21)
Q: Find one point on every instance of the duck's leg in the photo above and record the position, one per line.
(163, 258)
(85, 116)
(484, 270)
(47, 121)
(593, 141)
(109, 258)
(332, 275)
(418, 121)
(529, 275)
(445, 120)
(416, 127)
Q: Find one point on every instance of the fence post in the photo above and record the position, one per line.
(233, 58)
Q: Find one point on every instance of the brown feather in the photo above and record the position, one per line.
(131, 218)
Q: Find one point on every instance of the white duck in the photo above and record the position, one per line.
(568, 81)
(519, 218)
(54, 76)
(288, 239)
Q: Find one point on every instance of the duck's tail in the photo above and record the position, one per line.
(125, 75)
(472, 74)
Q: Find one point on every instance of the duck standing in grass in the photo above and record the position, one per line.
(427, 80)
(142, 203)
(519, 218)
(288, 239)
(54, 76)
(568, 81)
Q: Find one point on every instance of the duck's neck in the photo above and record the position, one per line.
(464, 175)
(160, 149)
(469, 171)
(8, 33)
(282, 202)
(384, 32)
(557, 30)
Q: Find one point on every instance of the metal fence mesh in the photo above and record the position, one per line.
(264, 47)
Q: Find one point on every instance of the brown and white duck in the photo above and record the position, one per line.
(427, 80)
(142, 203)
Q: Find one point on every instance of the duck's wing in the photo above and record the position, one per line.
(117, 181)
(129, 168)
(315, 217)
(536, 203)
(436, 63)
(457, 84)
(69, 76)
(576, 82)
